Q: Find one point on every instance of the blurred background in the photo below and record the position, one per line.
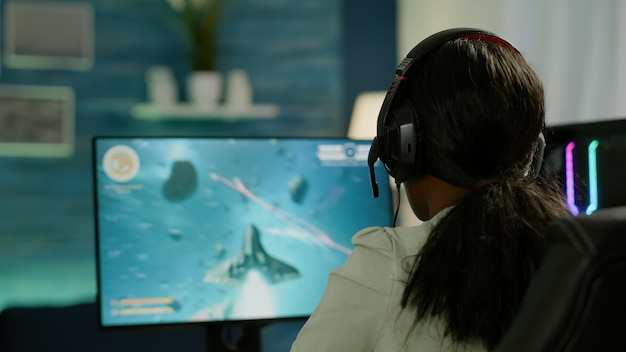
(71, 70)
(94, 58)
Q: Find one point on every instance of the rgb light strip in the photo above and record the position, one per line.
(593, 177)
(570, 187)
(569, 178)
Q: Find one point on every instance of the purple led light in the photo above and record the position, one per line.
(569, 178)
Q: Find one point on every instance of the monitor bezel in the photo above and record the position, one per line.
(254, 322)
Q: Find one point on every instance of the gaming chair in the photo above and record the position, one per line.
(577, 300)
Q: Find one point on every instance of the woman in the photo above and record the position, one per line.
(454, 283)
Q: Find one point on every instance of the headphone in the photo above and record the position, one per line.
(399, 139)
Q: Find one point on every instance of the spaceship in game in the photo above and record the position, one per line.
(251, 257)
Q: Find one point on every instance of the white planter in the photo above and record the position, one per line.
(238, 91)
(162, 89)
(204, 89)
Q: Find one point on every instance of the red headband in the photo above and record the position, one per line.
(491, 38)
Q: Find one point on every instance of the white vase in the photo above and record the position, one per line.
(162, 89)
(204, 89)
(238, 90)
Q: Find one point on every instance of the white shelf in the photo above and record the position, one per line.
(195, 112)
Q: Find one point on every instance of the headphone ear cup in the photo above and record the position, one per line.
(419, 163)
(404, 134)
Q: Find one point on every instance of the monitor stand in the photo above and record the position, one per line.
(233, 338)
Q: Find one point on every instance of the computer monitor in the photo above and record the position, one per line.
(216, 230)
(588, 158)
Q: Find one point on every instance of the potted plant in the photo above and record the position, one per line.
(200, 18)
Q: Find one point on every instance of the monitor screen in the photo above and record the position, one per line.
(221, 229)
(588, 158)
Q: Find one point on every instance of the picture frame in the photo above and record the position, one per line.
(36, 121)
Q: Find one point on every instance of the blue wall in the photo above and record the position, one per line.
(310, 57)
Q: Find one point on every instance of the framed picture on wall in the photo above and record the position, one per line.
(36, 121)
(48, 35)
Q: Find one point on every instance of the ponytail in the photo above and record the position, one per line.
(475, 266)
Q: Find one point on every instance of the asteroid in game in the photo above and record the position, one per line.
(182, 182)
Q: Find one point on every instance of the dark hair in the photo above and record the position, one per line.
(481, 107)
